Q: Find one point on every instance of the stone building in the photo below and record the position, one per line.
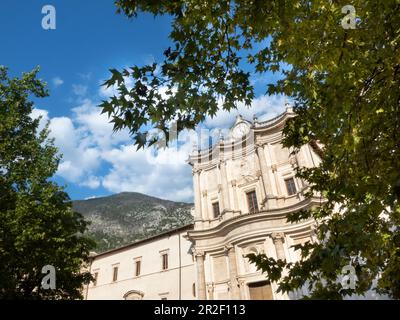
(159, 267)
(244, 187)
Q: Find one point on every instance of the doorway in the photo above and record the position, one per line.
(260, 291)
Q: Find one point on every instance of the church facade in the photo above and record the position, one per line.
(244, 187)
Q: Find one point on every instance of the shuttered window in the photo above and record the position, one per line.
(290, 186)
(215, 207)
(252, 201)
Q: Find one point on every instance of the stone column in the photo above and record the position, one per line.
(262, 189)
(201, 277)
(235, 196)
(235, 292)
(277, 183)
(210, 289)
(296, 163)
(221, 199)
(266, 179)
(278, 239)
(197, 195)
(242, 288)
(204, 206)
(224, 186)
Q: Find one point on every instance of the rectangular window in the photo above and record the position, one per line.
(290, 186)
(115, 274)
(138, 265)
(252, 201)
(215, 207)
(165, 261)
(95, 276)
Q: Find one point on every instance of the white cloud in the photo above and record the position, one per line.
(164, 175)
(98, 129)
(107, 92)
(94, 156)
(85, 76)
(91, 182)
(87, 143)
(57, 81)
(264, 107)
(43, 115)
(80, 157)
(79, 90)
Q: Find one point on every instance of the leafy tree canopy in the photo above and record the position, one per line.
(38, 227)
(345, 84)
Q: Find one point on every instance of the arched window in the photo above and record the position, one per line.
(133, 295)
(251, 267)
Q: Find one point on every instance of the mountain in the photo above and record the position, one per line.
(126, 217)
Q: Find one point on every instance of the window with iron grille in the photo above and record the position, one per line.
(138, 265)
(252, 201)
(165, 261)
(290, 186)
(115, 274)
(215, 207)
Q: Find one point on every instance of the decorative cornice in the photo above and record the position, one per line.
(198, 253)
(228, 247)
(278, 236)
(210, 287)
(259, 145)
(256, 127)
(314, 145)
(196, 170)
(271, 122)
(271, 214)
(293, 161)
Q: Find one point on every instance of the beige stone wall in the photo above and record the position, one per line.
(153, 283)
(257, 163)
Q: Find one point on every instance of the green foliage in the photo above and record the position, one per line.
(38, 226)
(345, 84)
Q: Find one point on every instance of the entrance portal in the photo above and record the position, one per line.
(260, 290)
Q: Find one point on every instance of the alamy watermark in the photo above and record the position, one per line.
(348, 278)
(49, 20)
(49, 280)
(349, 20)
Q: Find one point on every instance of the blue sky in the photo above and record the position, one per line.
(74, 59)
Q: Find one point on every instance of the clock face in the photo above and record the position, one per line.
(240, 130)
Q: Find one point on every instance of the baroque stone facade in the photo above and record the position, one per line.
(249, 178)
(244, 187)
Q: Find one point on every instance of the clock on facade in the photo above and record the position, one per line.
(240, 130)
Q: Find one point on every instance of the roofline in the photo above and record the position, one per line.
(139, 242)
(256, 126)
